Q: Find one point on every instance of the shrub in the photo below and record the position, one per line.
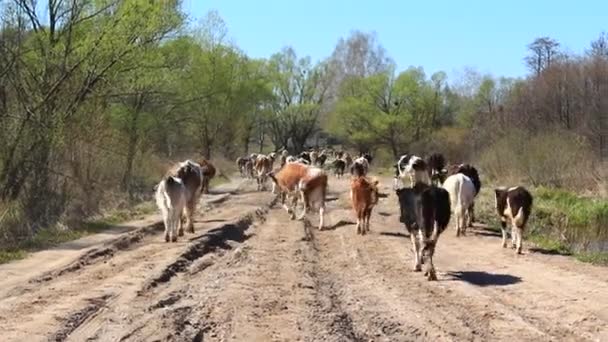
(558, 159)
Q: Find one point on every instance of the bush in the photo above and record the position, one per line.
(557, 159)
(450, 141)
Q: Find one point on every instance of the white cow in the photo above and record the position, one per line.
(462, 195)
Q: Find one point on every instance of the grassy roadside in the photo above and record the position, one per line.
(50, 237)
(562, 223)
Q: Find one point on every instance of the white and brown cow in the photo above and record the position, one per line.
(263, 165)
(171, 199)
(515, 205)
(300, 182)
(363, 196)
(192, 177)
(425, 211)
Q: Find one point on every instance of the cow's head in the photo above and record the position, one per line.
(407, 206)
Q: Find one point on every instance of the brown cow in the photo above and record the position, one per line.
(208, 171)
(364, 196)
(297, 181)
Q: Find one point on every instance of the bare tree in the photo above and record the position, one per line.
(543, 52)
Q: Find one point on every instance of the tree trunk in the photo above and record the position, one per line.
(132, 144)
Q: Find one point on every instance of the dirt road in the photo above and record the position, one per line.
(250, 274)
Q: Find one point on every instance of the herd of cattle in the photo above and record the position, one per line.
(429, 193)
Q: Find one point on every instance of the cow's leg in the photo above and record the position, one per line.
(457, 219)
(368, 214)
(321, 215)
(416, 251)
(472, 214)
(514, 233)
(520, 232)
(182, 220)
(503, 228)
(305, 203)
(189, 216)
(431, 274)
(167, 222)
(174, 224)
(463, 221)
(293, 202)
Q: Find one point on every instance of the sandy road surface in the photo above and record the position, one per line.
(250, 274)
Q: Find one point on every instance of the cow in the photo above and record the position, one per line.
(300, 182)
(321, 159)
(283, 157)
(314, 156)
(192, 177)
(412, 167)
(171, 199)
(471, 172)
(359, 167)
(436, 168)
(367, 157)
(339, 167)
(305, 156)
(245, 166)
(462, 195)
(425, 212)
(240, 164)
(263, 165)
(208, 171)
(363, 196)
(348, 159)
(513, 204)
(303, 161)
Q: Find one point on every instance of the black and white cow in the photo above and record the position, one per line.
(359, 167)
(412, 168)
(425, 211)
(513, 204)
(436, 168)
(471, 172)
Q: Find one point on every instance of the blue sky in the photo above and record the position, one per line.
(490, 36)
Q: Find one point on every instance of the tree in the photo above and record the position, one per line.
(542, 53)
(599, 47)
(384, 110)
(300, 90)
(58, 59)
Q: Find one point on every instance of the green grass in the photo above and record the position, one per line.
(50, 237)
(549, 245)
(596, 258)
(557, 214)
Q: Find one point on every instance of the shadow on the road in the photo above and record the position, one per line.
(211, 221)
(385, 214)
(331, 199)
(400, 235)
(480, 278)
(339, 224)
(552, 251)
(484, 232)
